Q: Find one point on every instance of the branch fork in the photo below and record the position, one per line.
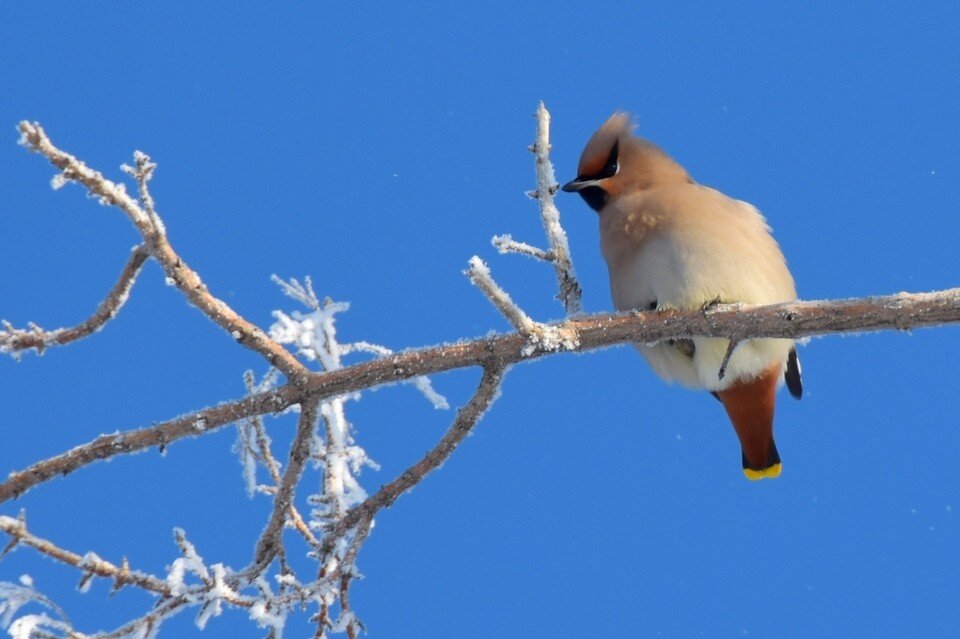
(540, 337)
(559, 252)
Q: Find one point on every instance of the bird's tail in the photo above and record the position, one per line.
(770, 467)
(749, 403)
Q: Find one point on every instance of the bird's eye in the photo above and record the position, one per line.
(613, 162)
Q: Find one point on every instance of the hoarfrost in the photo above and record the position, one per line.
(12, 598)
(26, 627)
(275, 618)
(215, 597)
(190, 562)
(58, 181)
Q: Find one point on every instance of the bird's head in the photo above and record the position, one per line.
(616, 162)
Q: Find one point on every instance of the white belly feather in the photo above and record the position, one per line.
(715, 248)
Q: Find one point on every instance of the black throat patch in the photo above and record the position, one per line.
(595, 197)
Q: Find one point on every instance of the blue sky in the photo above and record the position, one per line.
(376, 148)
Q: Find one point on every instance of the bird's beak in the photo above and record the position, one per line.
(578, 185)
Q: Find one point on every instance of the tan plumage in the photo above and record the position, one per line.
(670, 243)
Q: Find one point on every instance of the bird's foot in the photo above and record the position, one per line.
(709, 305)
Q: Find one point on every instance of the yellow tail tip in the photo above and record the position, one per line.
(768, 472)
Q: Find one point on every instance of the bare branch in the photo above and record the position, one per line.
(172, 599)
(467, 417)
(176, 269)
(348, 573)
(143, 173)
(260, 449)
(903, 311)
(506, 244)
(269, 543)
(547, 186)
(479, 274)
(263, 445)
(16, 341)
(89, 564)
(543, 337)
(107, 446)
(145, 626)
(359, 520)
(559, 252)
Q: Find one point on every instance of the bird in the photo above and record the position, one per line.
(673, 244)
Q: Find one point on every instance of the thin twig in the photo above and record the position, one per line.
(182, 276)
(295, 517)
(569, 287)
(14, 340)
(160, 435)
(273, 468)
(269, 543)
(479, 274)
(360, 518)
(348, 573)
(143, 173)
(145, 624)
(467, 417)
(506, 244)
(88, 564)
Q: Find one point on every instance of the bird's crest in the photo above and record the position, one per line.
(598, 149)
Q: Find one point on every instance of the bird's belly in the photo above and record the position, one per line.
(670, 363)
(750, 359)
(658, 277)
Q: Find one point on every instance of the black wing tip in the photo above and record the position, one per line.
(792, 375)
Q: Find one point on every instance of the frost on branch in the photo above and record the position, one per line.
(331, 540)
(30, 626)
(217, 594)
(13, 597)
(190, 562)
(559, 252)
(253, 443)
(314, 334)
(540, 337)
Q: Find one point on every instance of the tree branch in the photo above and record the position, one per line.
(147, 223)
(467, 418)
(13, 340)
(107, 446)
(479, 275)
(903, 311)
(269, 543)
(569, 287)
(263, 444)
(506, 244)
(89, 564)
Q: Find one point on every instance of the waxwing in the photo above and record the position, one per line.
(671, 243)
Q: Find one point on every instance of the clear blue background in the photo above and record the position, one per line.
(377, 147)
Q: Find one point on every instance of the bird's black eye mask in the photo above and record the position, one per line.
(610, 168)
(595, 197)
